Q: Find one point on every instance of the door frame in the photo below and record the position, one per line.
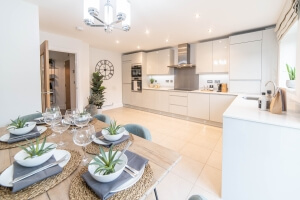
(64, 50)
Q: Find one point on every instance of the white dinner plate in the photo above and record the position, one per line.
(131, 182)
(98, 141)
(5, 137)
(7, 176)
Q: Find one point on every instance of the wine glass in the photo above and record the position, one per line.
(82, 119)
(61, 127)
(69, 117)
(83, 137)
(52, 116)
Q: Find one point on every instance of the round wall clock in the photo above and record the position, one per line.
(105, 68)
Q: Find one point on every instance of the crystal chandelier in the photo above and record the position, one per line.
(91, 12)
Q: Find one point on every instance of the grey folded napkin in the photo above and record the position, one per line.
(103, 189)
(109, 143)
(39, 122)
(16, 138)
(19, 170)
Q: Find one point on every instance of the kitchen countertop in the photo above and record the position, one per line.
(248, 110)
(193, 91)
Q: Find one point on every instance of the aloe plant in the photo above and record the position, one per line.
(113, 128)
(18, 123)
(106, 163)
(291, 72)
(34, 150)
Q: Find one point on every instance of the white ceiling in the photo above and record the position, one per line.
(172, 19)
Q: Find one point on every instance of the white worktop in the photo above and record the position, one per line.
(193, 91)
(248, 110)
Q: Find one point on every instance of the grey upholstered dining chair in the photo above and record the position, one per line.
(139, 131)
(103, 118)
(197, 197)
(31, 117)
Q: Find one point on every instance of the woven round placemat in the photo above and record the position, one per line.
(80, 190)
(93, 148)
(46, 184)
(4, 145)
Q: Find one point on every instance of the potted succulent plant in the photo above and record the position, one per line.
(113, 132)
(107, 166)
(20, 126)
(292, 75)
(35, 153)
(96, 99)
(151, 82)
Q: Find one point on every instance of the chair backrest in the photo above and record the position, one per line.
(197, 197)
(31, 116)
(103, 118)
(139, 131)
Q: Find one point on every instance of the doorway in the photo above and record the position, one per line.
(62, 80)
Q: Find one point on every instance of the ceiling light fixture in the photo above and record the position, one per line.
(167, 40)
(138, 47)
(147, 31)
(117, 41)
(209, 30)
(197, 16)
(92, 10)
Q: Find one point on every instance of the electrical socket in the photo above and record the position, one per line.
(209, 81)
(217, 81)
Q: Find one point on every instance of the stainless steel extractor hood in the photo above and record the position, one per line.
(183, 56)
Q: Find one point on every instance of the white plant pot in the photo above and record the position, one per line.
(290, 83)
(151, 85)
(99, 111)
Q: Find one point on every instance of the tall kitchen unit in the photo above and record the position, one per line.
(128, 61)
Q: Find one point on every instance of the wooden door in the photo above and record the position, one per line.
(67, 84)
(44, 72)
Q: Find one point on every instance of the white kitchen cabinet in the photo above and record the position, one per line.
(126, 72)
(162, 101)
(137, 58)
(220, 55)
(127, 57)
(158, 62)
(179, 110)
(217, 105)
(126, 93)
(178, 102)
(198, 105)
(136, 99)
(204, 57)
(245, 61)
(247, 37)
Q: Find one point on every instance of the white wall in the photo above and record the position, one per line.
(20, 85)
(113, 92)
(81, 51)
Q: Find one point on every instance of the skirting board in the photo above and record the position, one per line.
(197, 120)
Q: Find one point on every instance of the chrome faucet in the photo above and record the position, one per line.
(275, 87)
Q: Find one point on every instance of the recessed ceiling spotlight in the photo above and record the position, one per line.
(209, 30)
(197, 16)
(79, 28)
(167, 40)
(147, 31)
(138, 47)
(117, 41)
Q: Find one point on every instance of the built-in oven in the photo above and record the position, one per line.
(136, 84)
(136, 71)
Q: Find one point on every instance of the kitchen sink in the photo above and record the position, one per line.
(251, 98)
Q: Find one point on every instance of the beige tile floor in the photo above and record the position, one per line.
(200, 169)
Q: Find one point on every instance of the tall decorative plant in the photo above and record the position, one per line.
(97, 93)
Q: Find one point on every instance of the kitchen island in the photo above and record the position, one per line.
(260, 153)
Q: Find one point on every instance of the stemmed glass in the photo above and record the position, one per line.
(61, 127)
(82, 119)
(52, 116)
(70, 117)
(83, 137)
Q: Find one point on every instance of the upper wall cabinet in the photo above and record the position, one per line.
(158, 62)
(247, 37)
(204, 57)
(134, 58)
(212, 56)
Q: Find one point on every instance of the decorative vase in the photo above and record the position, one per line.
(92, 109)
(99, 111)
(290, 83)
